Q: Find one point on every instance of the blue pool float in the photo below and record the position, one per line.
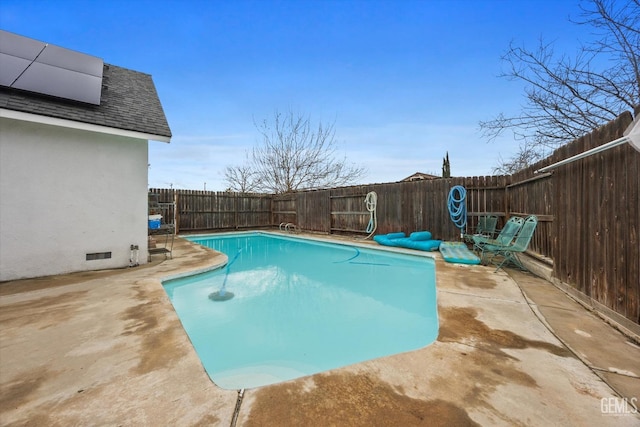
(419, 240)
(458, 253)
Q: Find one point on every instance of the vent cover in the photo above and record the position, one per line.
(98, 255)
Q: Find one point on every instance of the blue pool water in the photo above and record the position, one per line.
(300, 307)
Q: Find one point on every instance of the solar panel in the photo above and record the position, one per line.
(47, 69)
(10, 68)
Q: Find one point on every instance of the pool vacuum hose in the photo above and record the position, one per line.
(222, 294)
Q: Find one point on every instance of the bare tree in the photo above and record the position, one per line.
(293, 155)
(525, 157)
(569, 97)
(241, 178)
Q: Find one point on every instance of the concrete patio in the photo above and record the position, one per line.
(106, 348)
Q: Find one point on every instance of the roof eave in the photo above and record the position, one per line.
(72, 124)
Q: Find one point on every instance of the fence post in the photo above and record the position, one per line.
(329, 210)
(176, 214)
(235, 209)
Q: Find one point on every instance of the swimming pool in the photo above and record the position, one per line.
(302, 306)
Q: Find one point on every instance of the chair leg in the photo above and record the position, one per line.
(516, 261)
(511, 257)
(482, 257)
(487, 255)
(493, 257)
(490, 257)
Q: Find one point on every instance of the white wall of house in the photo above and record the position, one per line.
(66, 193)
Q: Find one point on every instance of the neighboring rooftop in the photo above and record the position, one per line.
(419, 176)
(128, 99)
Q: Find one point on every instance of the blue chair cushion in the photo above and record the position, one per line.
(420, 240)
(420, 235)
(396, 235)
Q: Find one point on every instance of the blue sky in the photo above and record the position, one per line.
(404, 81)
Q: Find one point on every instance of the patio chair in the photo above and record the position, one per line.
(520, 244)
(504, 238)
(486, 227)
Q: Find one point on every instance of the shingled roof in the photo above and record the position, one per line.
(419, 176)
(129, 101)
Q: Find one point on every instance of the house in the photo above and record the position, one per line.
(74, 136)
(418, 176)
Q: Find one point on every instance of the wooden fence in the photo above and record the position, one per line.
(588, 211)
(208, 210)
(594, 209)
(402, 206)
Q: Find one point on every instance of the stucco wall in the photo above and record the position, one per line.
(65, 193)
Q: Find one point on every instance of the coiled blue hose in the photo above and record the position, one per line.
(457, 204)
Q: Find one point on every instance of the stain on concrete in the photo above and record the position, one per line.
(484, 365)
(158, 330)
(43, 312)
(341, 399)
(208, 420)
(468, 277)
(49, 282)
(20, 390)
(140, 320)
(461, 325)
(160, 350)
